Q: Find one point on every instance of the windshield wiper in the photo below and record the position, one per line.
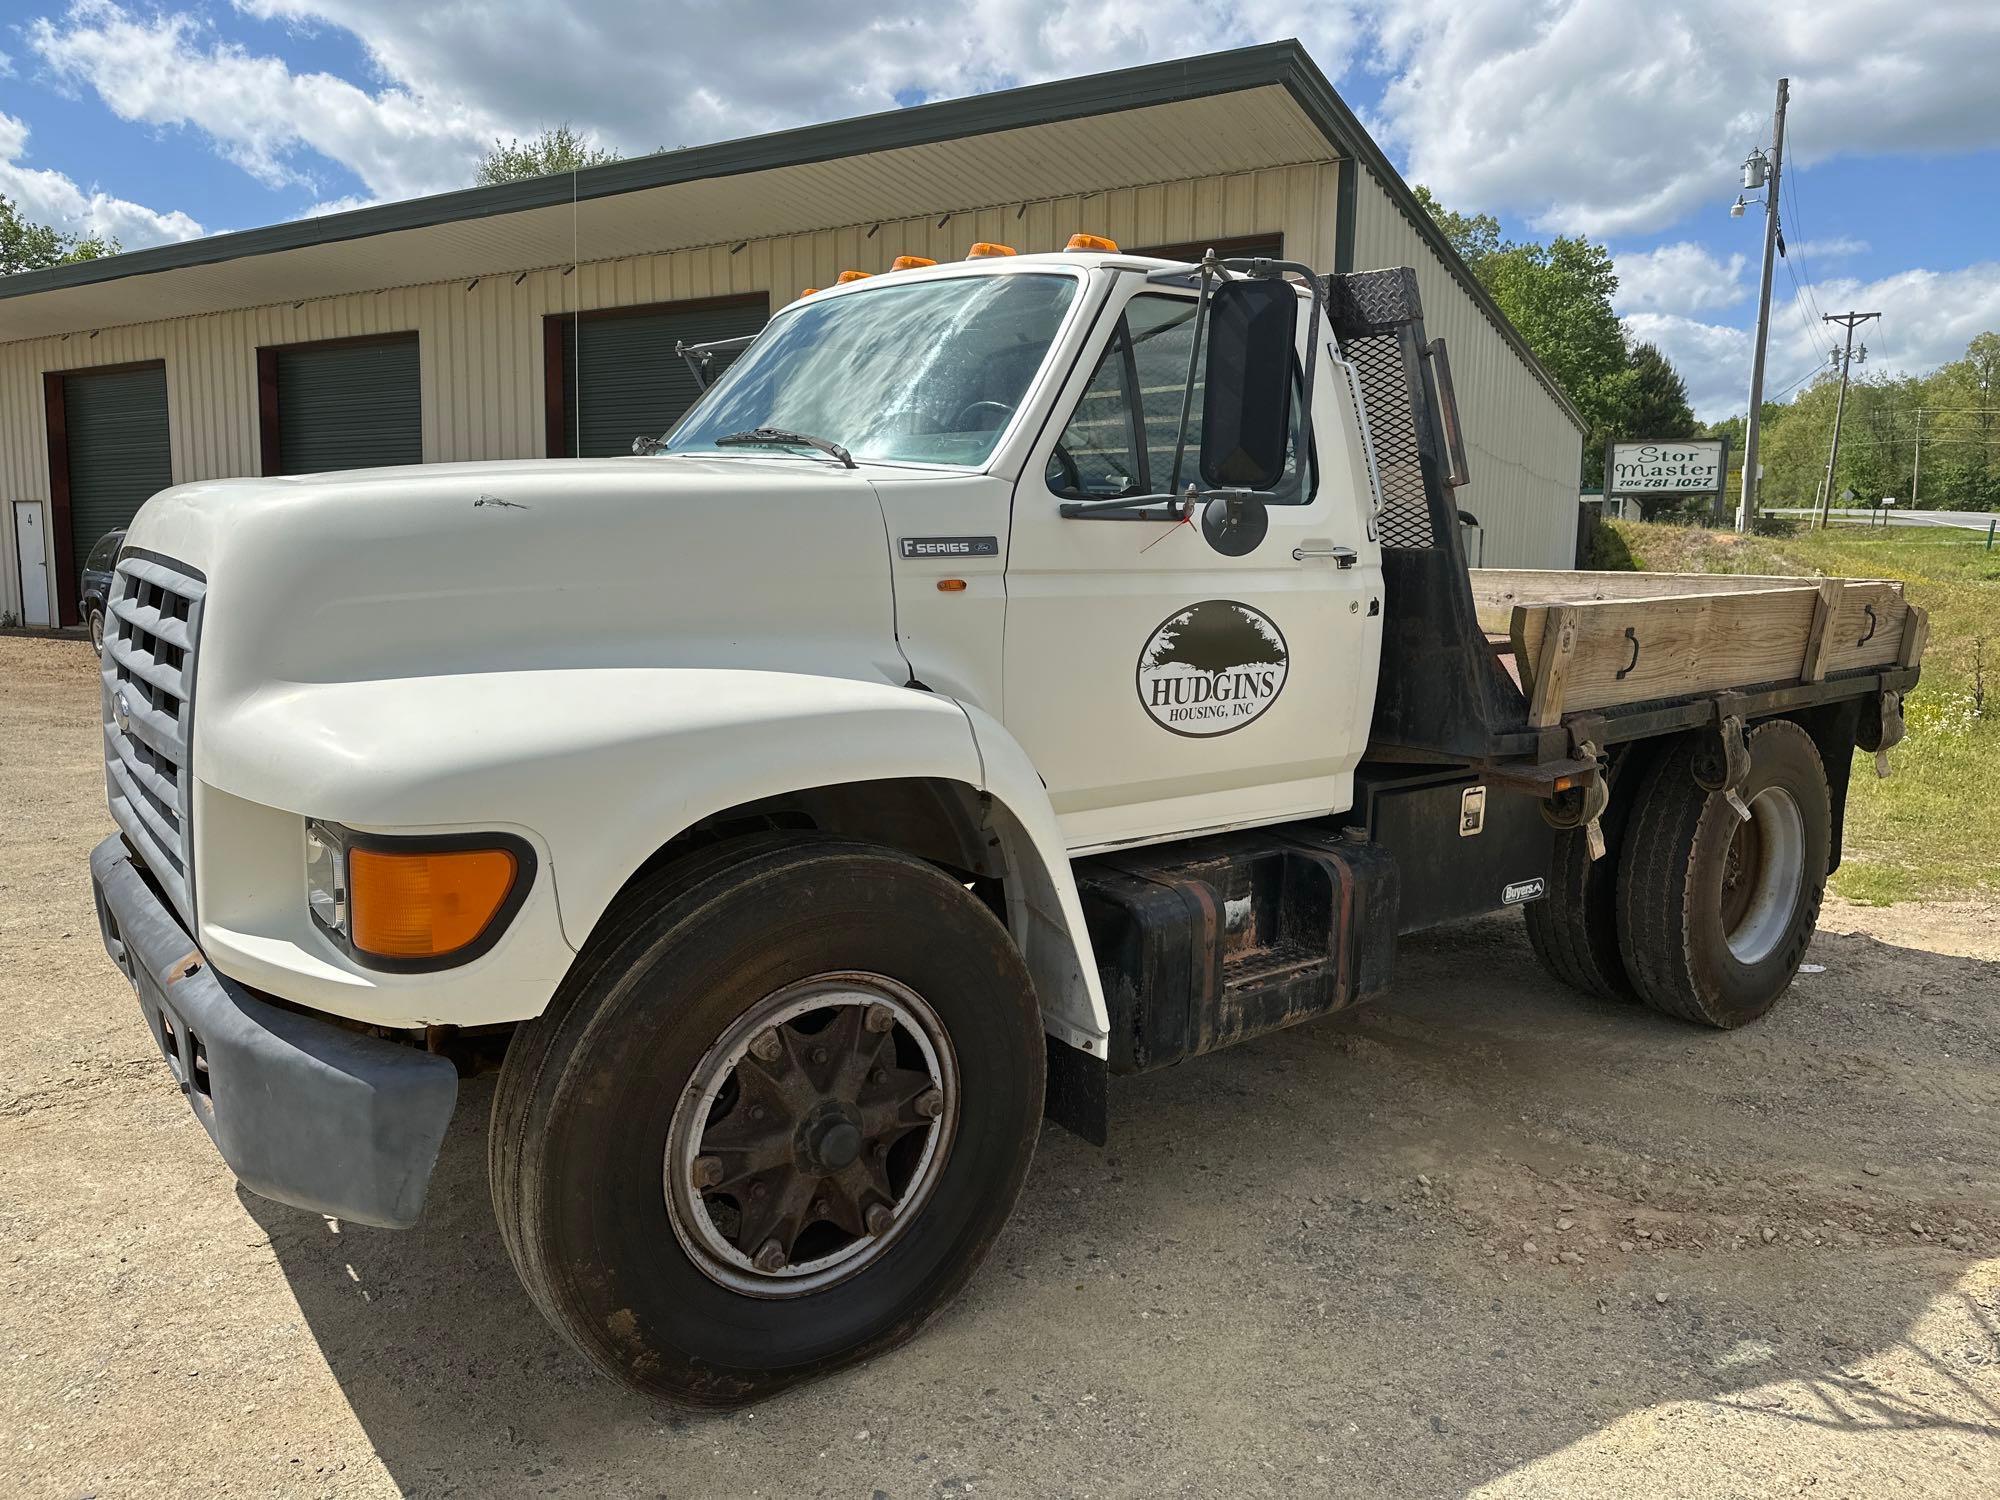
(778, 437)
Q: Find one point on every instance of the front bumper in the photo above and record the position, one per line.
(304, 1111)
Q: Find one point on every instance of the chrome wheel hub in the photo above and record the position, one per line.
(1762, 874)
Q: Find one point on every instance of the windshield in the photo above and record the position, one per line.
(926, 372)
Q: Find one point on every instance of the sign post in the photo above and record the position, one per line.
(1668, 466)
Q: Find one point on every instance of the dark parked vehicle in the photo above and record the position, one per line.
(97, 571)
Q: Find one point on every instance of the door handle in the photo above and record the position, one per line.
(1344, 557)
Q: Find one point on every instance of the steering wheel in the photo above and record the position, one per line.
(960, 422)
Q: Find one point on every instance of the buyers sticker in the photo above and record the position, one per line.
(1212, 668)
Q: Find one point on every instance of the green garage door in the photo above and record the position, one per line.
(349, 405)
(116, 427)
(628, 381)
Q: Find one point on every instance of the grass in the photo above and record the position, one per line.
(1932, 829)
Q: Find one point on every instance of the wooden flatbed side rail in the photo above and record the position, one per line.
(1598, 653)
(1495, 591)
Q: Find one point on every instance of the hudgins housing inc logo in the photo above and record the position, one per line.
(1212, 668)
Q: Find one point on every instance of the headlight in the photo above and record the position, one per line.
(417, 902)
(326, 879)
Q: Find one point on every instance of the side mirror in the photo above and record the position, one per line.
(1246, 409)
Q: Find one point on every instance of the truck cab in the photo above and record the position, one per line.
(1008, 674)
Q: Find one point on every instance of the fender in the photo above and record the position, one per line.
(601, 767)
(1045, 912)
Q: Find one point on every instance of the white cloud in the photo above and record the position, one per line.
(1928, 317)
(453, 78)
(1682, 278)
(49, 197)
(162, 68)
(1608, 117)
(1834, 247)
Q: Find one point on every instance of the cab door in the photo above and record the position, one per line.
(1161, 686)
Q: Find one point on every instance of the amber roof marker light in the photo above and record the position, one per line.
(846, 276)
(911, 262)
(985, 248)
(1092, 242)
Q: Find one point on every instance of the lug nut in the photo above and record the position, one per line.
(879, 1218)
(770, 1258)
(819, 1054)
(930, 1103)
(877, 1075)
(819, 1208)
(880, 1018)
(760, 1191)
(707, 1171)
(766, 1047)
(757, 1112)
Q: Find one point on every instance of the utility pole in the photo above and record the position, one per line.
(1851, 320)
(1746, 511)
(1917, 467)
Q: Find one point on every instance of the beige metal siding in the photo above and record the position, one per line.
(481, 345)
(1523, 448)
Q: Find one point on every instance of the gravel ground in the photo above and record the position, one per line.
(1486, 1239)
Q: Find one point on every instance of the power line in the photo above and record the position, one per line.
(1791, 188)
(1817, 369)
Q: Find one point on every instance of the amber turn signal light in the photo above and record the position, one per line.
(985, 248)
(910, 262)
(425, 905)
(1092, 242)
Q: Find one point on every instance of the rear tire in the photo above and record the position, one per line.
(1574, 928)
(605, 1099)
(1714, 914)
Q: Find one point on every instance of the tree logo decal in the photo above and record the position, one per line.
(1212, 668)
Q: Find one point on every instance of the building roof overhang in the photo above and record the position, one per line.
(1214, 115)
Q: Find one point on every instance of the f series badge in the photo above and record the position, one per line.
(949, 546)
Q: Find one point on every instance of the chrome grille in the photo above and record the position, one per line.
(148, 672)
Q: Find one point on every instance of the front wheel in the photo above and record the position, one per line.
(776, 1118)
(1715, 911)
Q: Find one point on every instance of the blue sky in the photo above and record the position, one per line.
(161, 119)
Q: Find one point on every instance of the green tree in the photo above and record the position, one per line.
(1655, 396)
(1558, 297)
(28, 246)
(1647, 399)
(1473, 236)
(558, 149)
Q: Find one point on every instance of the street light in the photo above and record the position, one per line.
(1736, 208)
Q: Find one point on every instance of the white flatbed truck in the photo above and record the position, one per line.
(1010, 673)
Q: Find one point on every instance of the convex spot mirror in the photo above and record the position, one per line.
(1246, 409)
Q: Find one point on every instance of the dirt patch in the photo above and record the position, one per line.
(1487, 1238)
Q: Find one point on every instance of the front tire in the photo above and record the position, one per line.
(1714, 913)
(775, 1118)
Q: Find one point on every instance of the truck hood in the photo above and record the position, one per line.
(450, 568)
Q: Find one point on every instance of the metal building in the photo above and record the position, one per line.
(539, 318)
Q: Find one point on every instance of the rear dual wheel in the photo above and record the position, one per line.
(1715, 911)
(776, 1118)
(1695, 911)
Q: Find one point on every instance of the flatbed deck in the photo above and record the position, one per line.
(1576, 642)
